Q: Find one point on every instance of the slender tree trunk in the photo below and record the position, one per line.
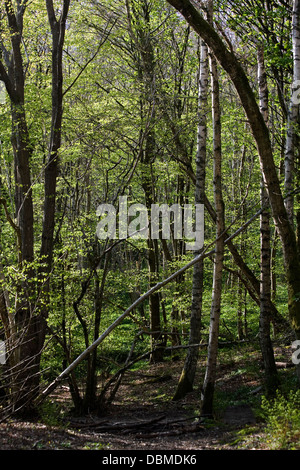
(177, 247)
(154, 300)
(90, 399)
(241, 310)
(271, 376)
(210, 374)
(73, 386)
(270, 370)
(139, 28)
(187, 377)
(58, 28)
(292, 121)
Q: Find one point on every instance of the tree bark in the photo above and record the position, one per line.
(32, 327)
(187, 377)
(271, 376)
(22, 343)
(207, 394)
(292, 118)
(142, 39)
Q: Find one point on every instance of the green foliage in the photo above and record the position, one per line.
(96, 446)
(50, 413)
(107, 115)
(282, 415)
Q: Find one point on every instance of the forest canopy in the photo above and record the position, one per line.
(154, 104)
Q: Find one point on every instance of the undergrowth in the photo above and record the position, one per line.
(282, 416)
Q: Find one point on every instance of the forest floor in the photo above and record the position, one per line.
(143, 415)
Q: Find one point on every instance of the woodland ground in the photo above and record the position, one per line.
(143, 415)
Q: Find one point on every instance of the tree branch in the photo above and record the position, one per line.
(205, 253)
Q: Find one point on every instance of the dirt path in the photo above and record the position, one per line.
(142, 417)
(151, 432)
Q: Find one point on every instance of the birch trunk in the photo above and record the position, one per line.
(289, 168)
(187, 377)
(210, 374)
(271, 376)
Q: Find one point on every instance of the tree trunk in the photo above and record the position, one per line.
(24, 358)
(210, 374)
(32, 327)
(90, 399)
(270, 370)
(292, 121)
(271, 376)
(58, 28)
(261, 135)
(141, 36)
(187, 377)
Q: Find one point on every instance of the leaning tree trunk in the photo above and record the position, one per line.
(187, 377)
(232, 66)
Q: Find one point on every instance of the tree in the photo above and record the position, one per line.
(232, 66)
(271, 376)
(293, 112)
(186, 380)
(33, 300)
(142, 40)
(210, 374)
(82, 127)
